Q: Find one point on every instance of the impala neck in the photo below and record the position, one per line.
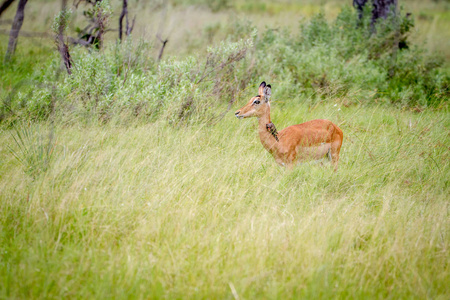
(267, 139)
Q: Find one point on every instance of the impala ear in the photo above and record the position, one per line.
(267, 92)
(261, 88)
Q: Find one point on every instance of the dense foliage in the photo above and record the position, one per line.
(347, 59)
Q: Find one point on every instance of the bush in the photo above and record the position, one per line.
(347, 60)
(349, 55)
(122, 81)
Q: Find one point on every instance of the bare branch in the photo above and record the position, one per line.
(62, 46)
(101, 28)
(164, 42)
(78, 3)
(130, 29)
(5, 5)
(159, 33)
(15, 28)
(122, 15)
(75, 41)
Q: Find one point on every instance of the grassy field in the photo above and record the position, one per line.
(204, 212)
(156, 208)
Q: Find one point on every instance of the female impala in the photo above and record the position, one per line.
(307, 141)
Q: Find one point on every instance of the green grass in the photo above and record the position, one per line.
(124, 181)
(155, 211)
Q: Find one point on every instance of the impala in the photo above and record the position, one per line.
(312, 140)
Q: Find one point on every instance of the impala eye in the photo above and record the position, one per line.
(256, 102)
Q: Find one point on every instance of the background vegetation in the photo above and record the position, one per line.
(130, 178)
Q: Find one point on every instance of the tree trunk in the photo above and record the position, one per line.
(100, 25)
(17, 24)
(381, 8)
(122, 15)
(62, 46)
(5, 5)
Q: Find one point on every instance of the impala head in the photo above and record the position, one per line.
(258, 105)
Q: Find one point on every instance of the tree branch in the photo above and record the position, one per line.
(122, 15)
(62, 46)
(164, 42)
(5, 5)
(130, 29)
(15, 28)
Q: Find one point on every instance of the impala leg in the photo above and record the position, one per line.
(334, 153)
(329, 154)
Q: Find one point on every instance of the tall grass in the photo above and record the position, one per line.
(32, 148)
(154, 190)
(153, 211)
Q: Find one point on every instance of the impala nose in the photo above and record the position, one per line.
(237, 113)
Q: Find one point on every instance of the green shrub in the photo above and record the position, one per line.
(350, 55)
(346, 60)
(33, 148)
(122, 81)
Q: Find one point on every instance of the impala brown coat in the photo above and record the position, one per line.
(311, 140)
